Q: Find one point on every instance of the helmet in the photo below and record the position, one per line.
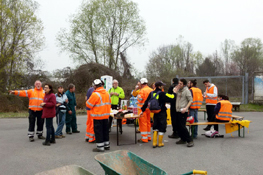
(190, 119)
(144, 81)
(97, 82)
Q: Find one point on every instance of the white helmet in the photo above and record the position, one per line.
(97, 82)
(144, 81)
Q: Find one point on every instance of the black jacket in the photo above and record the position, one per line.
(163, 98)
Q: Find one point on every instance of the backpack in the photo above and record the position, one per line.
(153, 103)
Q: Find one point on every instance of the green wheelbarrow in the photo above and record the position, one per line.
(124, 162)
(67, 170)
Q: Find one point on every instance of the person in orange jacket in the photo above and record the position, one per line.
(145, 120)
(90, 135)
(223, 110)
(100, 106)
(196, 104)
(36, 97)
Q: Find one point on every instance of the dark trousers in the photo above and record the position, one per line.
(33, 117)
(101, 129)
(210, 114)
(50, 130)
(173, 118)
(181, 125)
(218, 120)
(71, 122)
(160, 121)
(118, 120)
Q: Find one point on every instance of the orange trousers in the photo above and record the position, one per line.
(90, 135)
(145, 125)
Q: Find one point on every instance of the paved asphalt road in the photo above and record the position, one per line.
(228, 155)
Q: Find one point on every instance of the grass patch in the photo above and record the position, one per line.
(24, 114)
(251, 107)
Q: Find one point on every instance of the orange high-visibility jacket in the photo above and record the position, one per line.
(197, 98)
(143, 95)
(99, 104)
(36, 97)
(225, 111)
(211, 100)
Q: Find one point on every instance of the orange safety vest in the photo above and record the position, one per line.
(197, 98)
(211, 100)
(225, 111)
(99, 104)
(36, 97)
(143, 95)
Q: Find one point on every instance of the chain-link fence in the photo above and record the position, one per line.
(235, 87)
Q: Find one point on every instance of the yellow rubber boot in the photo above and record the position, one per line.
(155, 133)
(160, 144)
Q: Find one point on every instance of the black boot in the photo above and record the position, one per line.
(46, 143)
(174, 135)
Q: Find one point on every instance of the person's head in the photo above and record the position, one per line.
(48, 88)
(97, 83)
(225, 97)
(182, 83)
(189, 84)
(71, 87)
(144, 82)
(38, 84)
(193, 83)
(220, 97)
(175, 80)
(206, 83)
(115, 83)
(153, 85)
(60, 89)
(159, 85)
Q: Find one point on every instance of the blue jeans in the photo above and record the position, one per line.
(60, 121)
(194, 113)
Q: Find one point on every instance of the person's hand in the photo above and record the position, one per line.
(183, 110)
(205, 94)
(11, 92)
(66, 100)
(116, 94)
(112, 93)
(70, 112)
(42, 104)
(175, 89)
(58, 104)
(136, 87)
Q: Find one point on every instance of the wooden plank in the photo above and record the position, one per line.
(131, 115)
(207, 123)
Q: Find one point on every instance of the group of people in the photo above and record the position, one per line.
(44, 105)
(184, 97)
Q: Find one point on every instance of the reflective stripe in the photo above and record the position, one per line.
(26, 94)
(223, 116)
(35, 107)
(156, 97)
(160, 133)
(100, 144)
(140, 104)
(102, 104)
(90, 104)
(144, 137)
(149, 133)
(18, 92)
(99, 96)
(99, 115)
(144, 132)
(39, 132)
(140, 99)
(195, 105)
(225, 113)
(34, 98)
(212, 98)
(170, 95)
(106, 143)
(90, 134)
(30, 132)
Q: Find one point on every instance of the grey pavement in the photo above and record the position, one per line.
(228, 155)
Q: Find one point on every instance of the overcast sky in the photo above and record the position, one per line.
(204, 23)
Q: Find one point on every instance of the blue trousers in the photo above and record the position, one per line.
(61, 116)
(194, 113)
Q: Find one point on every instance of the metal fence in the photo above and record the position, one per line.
(235, 87)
